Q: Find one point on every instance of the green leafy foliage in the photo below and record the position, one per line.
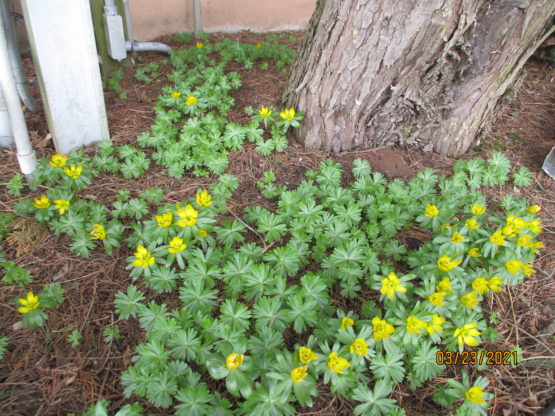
(74, 338)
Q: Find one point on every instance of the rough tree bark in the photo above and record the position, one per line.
(429, 74)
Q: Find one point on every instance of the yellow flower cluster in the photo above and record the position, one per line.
(144, 258)
(73, 171)
(445, 263)
(188, 215)
(234, 360)
(346, 323)
(61, 205)
(288, 114)
(477, 209)
(359, 346)
(306, 355)
(298, 374)
(337, 364)
(390, 285)
(176, 94)
(191, 100)
(264, 112)
(414, 325)
(431, 211)
(472, 224)
(470, 300)
(466, 334)
(176, 245)
(475, 395)
(381, 328)
(58, 160)
(42, 203)
(30, 302)
(204, 199)
(164, 220)
(98, 232)
(435, 324)
(456, 238)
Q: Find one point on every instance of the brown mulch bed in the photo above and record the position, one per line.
(42, 375)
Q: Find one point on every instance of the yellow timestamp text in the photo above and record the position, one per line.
(476, 357)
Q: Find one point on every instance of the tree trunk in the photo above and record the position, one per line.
(428, 74)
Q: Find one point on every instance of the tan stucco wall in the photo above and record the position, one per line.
(155, 18)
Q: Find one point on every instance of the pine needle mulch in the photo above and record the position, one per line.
(42, 375)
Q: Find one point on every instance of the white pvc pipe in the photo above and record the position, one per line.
(15, 59)
(25, 153)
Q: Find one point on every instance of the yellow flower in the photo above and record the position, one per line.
(527, 270)
(176, 94)
(472, 224)
(470, 300)
(533, 209)
(524, 240)
(390, 285)
(58, 160)
(30, 302)
(42, 202)
(431, 211)
(176, 245)
(444, 227)
(477, 209)
(359, 347)
(414, 325)
(337, 364)
(445, 263)
(298, 374)
(61, 205)
(188, 215)
(474, 252)
(164, 220)
(73, 171)
(346, 323)
(513, 266)
(204, 199)
(264, 112)
(199, 45)
(495, 283)
(444, 285)
(202, 232)
(497, 238)
(191, 100)
(234, 360)
(437, 298)
(144, 258)
(466, 334)
(435, 325)
(457, 238)
(381, 328)
(480, 284)
(98, 233)
(475, 395)
(306, 355)
(288, 114)
(535, 226)
(258, 45)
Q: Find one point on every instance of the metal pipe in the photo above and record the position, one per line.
(15, 59)
(151, 46)
(6, 135)
(25, 153)
(129, 25)
(196, 16)
(131, 45)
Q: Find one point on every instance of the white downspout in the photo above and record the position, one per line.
(25, 153)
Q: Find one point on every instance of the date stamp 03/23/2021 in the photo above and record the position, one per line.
(476, 357)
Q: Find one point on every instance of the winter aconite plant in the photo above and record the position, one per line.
(262, 318)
